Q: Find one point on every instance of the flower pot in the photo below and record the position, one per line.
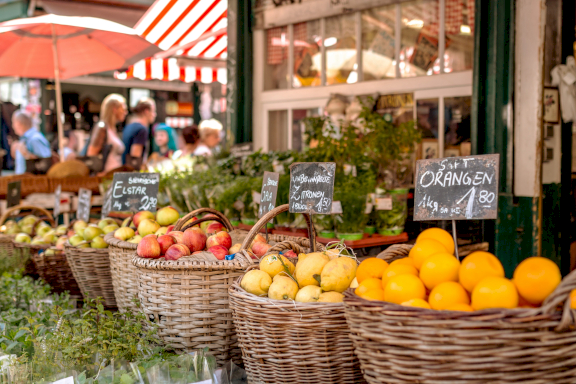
(391, 231)
(370, 229)
(235, 223)
(350, 236)
(327, 234)
(270, 225)
(249, 221)
(391, 222)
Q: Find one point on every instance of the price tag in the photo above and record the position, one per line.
(84, 204)
(311, 187)
(134, 191)
(107, 204)
(14, 194)
(268, 193)
(256, 197)
(384, 204)
(57, 194)
(457, 188)
(336, 208)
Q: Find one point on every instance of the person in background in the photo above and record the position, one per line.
(191, 136)
(210, 131)
(70, 144)
(164, 144)
(32, 143)
(105, 138)
(135, 134)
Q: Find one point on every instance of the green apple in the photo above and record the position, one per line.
(50, 238)
(106, 222)
(135, 240)
(50, 252)
(98, 242)
(124, 233)
(161, 231)
(142, 215)
(43, 231)
(23, 238)
(28, 220)
(147, 227)
(91, 232)
(110, 228)
(13, 230)
(26, 228)
(61, 230)
(75, 240)
(39, 242)
(166, 216)
(10, 223)
(79, 225)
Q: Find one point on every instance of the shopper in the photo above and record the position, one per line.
(105, 138)
(135, 134)
(191, 136)
(32, 143)
(164, 143)
(210, 131)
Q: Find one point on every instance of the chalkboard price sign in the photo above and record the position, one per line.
(135, 192)
(14, 194)
(311, 187)
(268, 193)
(57, 194)
(457, 188)
(84, 204)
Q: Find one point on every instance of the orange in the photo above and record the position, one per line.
(573, 299)
(440, 235)
(439, 268)
(522, 303)
(404, 261)
(424, 249)
(477, 266)
(536, 278)
(494, 292)
(368, 285)
(373, 294)
(402, 288)
(447, 294)
(397, 269)
(372, 267)
(460, 307)
(416, 303)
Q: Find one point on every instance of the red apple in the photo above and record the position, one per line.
(221, 238)
(195, 239)
(177, 251)
(219, 251)
(165, 241)
(190, 221)
(149, 247)
(258, 239)
(205, 224)
(290, 253)
(70, 233)
(260, 249)
(139, 216)
(178, 236)
(215, 227)
(170, 228)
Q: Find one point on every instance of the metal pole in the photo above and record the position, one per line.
(58, 94)
(455, 239)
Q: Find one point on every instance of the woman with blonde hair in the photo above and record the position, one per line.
(210, 131)
(105, 138)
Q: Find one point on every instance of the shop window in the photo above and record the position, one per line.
(307, 55)
(278, 133)
(419, 47)
(378, 43)
(427, 120)
(457, 117)
(459, 27)
(340, 43)
(298, 127)
(276, 68)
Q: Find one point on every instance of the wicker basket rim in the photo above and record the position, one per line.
(188, 264)
(103, 251)
(31, 246)
(111, 240)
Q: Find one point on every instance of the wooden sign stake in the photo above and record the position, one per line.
(455, 239)
(311, 229)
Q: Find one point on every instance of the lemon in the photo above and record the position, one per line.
(274, 264)
(310, 267)
(301, 258)
(354, 283)
(256, 282)
(331, 297)
(283, 288)
(338, 274)
(309, 294)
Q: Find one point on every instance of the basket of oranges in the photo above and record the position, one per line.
(420, 315)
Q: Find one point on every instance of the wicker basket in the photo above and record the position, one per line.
(52, 266)
(290, 342)
(91, 269)
(398, 344)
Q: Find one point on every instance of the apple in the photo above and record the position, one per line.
(221, 238)
(161, 231)
(290, 253)
(214, 227)
(195, 239)
(106, 222)
(142, 215)
(39, 242)
(50, 238)
(219, 251)
(78, 225)
(13, 230)
(190, 221)
(166, 216)
(235, 249)
(135, 240)
(26, 228)
(61, 241)
(170, 228)
(75, 240)
(110, 228)
(61, 230)
(91, 232)
(10, 223)
(165, 241)
(206, 224)
(177, 251)
(41, 231)
(28, 220)
(124, 233)
(98, 242)
(260, 249)
(50, 252)
(23, 238)
(147, 227)
(148, 247)
(258, 239)
(178, 236)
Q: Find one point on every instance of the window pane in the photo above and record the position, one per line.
(459, 52)
(278, 130)
(457, 117)
(419, 48)
(298, 127)
(378, 43)
(307, 56)
(427, 120)
(340, 42)
(276, 68)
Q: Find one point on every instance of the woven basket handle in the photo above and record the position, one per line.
(211, 218)
(270, 215)
(9, 212)
(224, 220)
(284, 246)
(561, 295)
(39, 220)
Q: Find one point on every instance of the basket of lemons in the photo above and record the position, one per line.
(289, 315)
(420, 315)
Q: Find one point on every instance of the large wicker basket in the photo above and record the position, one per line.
(91, 269)
(52, 266)
(291, 342)
(398, 344)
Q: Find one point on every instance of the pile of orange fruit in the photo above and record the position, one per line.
(432, 277)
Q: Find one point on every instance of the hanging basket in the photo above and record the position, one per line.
(292, 342)
(398, 344)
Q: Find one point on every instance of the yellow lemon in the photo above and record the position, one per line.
(274, 264)
(536, 278)
(256, 282)
(447, 294)
(397, 269)
(494, 292)
(416, 303)
(477, 266)
(424, 249)
(309, 294)
(402, 288)
(283, 288)
(338, 274)
(439, 268)
(308, 270)
(331, 297)
(440, 235)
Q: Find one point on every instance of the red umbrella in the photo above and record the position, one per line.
(62, 47)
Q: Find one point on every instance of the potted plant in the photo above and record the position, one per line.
(325, 226)
(352, 192)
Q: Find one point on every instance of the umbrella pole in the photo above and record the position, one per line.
(58, 94)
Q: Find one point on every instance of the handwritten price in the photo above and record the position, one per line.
(148, 203)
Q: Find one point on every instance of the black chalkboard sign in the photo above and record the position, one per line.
(134, 162)
(311, 187)
(57, 194)
(39, 166)
(268, 193)
(14, 194)
(135, 192)
(84, 204)
(457, 188)
(94, 163)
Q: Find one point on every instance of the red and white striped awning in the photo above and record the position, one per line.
(193, 29)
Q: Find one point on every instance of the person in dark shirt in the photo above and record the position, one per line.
(135, 134)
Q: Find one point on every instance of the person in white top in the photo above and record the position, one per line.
(210, 132)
